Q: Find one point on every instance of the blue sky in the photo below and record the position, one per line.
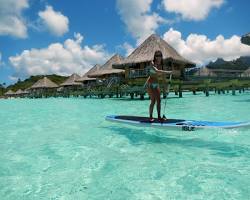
(63, 37)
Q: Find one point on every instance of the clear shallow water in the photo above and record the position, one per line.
(64, 149)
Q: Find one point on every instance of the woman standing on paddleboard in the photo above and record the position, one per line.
(152, 83)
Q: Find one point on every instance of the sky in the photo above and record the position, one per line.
(64, 37)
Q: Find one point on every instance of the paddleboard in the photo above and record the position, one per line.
(186, 125)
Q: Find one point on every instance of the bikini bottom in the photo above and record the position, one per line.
(153, 85)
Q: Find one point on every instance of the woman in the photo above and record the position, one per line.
(153, 88)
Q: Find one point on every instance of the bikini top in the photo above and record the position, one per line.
(150, 70)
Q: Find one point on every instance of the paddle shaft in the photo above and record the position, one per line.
(168, 88)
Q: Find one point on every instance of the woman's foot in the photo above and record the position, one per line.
(161, 119)
(151, 119)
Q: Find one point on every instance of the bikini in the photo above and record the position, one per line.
(153, 85)
(150, 83)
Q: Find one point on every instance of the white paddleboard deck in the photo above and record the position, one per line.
(186, 125)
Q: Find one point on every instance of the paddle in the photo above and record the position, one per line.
(168, 88)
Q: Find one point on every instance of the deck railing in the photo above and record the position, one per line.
(137, 73)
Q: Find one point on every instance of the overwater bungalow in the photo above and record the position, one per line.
(19, 93)
(9, 93)
(86, 80)
(136, 63)
(107, 73)
(71, 85)
(43, 88)
(72, 81)
(107, 78)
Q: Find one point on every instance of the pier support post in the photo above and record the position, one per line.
(180, 90)
(141, 96)
(180, 93)
(207, 92)
(233, 91)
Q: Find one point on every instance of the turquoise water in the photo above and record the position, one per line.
(64, 149)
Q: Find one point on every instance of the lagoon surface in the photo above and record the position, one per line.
(62, 148)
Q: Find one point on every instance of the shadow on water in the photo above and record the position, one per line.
(245, 100)
(136, 137)
(138, 99)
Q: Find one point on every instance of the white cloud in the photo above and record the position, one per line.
(2, 64)
(191, 9)
(13, 78)
(55, 22)
(11, 20)
(63, 59)
(128, 48)
(201, 50)
(138, 18)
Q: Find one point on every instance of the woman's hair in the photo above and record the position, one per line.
(158, 53)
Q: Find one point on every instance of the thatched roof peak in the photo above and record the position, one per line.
(115, 59)
(44, 83)
(145, 52)
(91, 71)
(72, 80)
(9, 92)
(107, 67)
(19, 92)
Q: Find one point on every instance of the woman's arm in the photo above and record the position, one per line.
(161, 71)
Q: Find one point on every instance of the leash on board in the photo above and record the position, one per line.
(168, 88)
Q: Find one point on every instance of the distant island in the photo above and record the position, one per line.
(242, 63)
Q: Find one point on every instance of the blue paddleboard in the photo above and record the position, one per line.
(186, 125)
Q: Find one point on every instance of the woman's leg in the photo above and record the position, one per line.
(158, 101)
(151, 106)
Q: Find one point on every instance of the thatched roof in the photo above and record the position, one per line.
(18, 92)
(107, 67)
(145, 53)
(91, 71)
(10, 92)
(72, 80)
(44, 83)
(245, 39)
